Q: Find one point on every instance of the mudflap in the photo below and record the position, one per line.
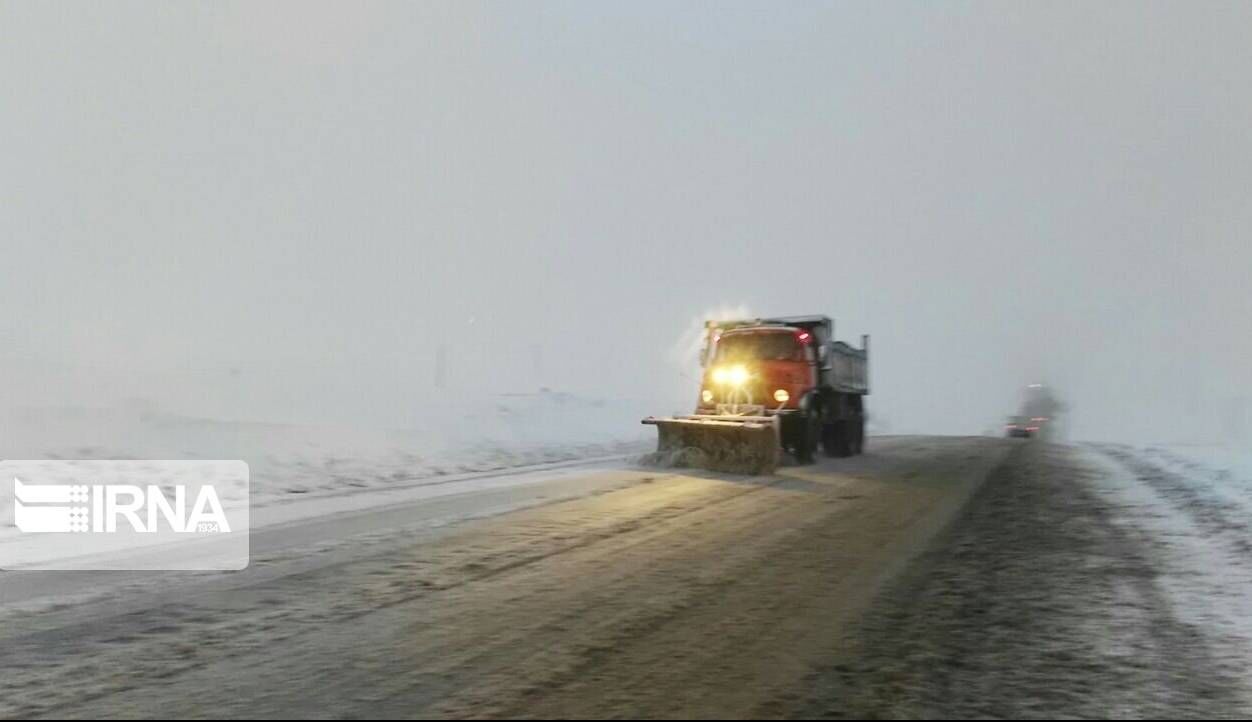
(737, 445)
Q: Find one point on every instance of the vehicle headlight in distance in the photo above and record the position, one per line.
(706, 396)
(738, 375)
(720, 375)
(781, 396)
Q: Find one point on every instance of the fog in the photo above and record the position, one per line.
(292, 212)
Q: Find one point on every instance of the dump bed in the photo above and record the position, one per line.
(847, 367)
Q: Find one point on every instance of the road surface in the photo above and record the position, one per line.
(840, 589)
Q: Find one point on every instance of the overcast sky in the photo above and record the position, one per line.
(281, 211)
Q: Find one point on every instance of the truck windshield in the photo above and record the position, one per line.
(759, 347)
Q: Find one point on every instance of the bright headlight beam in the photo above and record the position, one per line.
(730, 375)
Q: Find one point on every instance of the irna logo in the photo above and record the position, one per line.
(130, 514)
(100, 508)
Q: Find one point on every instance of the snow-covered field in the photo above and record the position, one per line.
(290, 462)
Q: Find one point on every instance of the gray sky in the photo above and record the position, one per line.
(279, 211)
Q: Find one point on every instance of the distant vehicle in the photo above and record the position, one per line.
(771, 384)
(1024, 427)
(1037, 414)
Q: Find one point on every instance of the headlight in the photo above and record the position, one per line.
(706, 396)
(781, 396)
(732, 375)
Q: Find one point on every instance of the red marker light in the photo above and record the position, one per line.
(803, 337)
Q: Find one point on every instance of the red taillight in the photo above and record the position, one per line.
(803, 337)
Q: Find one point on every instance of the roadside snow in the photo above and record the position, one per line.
(1194, 504)
(298, 463)
(1224, 472)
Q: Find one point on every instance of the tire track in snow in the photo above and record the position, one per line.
(1209, 512)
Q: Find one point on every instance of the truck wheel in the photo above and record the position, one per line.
(858, 426)
(848, 445)
(836, 438)
(807, 438)
(830, 438)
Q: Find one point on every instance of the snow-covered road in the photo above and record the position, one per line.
(319, 526)
(932, 577)
(598, 589)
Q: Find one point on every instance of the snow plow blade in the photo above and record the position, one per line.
(733, 444)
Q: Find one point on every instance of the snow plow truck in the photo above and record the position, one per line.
(770, 385)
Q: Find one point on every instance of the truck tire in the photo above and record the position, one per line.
(836, 438)
(830, 442)
(806, 438)
(858, 427)
(848, 447)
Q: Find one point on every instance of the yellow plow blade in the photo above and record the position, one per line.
(734, 444)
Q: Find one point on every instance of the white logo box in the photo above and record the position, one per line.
(124, 515)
